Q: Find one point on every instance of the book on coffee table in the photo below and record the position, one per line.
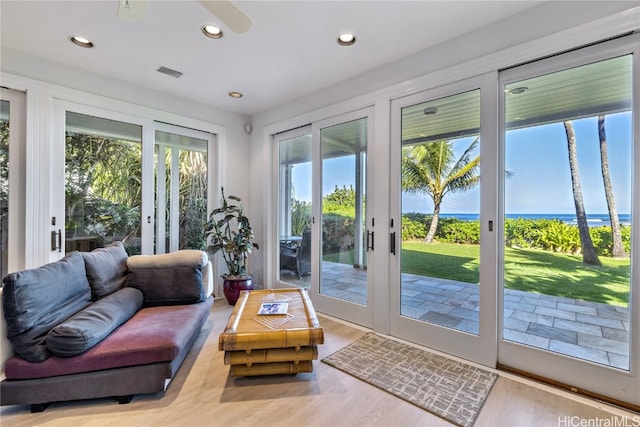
(267, 308)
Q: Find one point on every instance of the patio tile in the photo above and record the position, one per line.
(519, 306)
(578, 308)
(618, 361)
(523, 293)
(539, 302)
(465, 313)
(579, 352)
(410, 293)
(512, 298)
(470, 305)
(532, 317)
(441, 319)
(585, 328)
(596, 320)
(410, 301)
(615, 334)
(427, 296)
(470, 326)
(515, 324)
(524, 338)
(604, 344)
(545, 311)
(553, 333)
(599, 331)
(558, 299)
(613, 314)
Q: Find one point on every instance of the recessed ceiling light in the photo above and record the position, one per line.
(212, 31)
(430, 111)
(346, 39)
(81, 41)
(235, 94)
(518, 90)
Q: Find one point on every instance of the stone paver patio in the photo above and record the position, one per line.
(587, 330)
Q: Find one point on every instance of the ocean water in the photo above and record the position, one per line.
(595, 220)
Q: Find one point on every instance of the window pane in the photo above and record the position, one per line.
(181, 190)
(102, 183)
(344, 177)
(441, 211)
(567, 218)
(294, 210)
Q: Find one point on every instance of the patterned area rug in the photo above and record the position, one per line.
(450, 389)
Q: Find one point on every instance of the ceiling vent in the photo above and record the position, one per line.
(169, 72)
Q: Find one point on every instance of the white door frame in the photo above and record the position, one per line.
(479, 348)
(352, 312)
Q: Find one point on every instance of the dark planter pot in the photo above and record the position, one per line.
(233, 286)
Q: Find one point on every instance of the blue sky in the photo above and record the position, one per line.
(538, 159)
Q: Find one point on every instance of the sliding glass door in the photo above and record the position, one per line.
(103, 184)
(181, 166)
(568, 277)
(323, 226)
(130, 179)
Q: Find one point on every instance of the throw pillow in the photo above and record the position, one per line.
(106, 269)
(36, 300)
(167, 279)
(91, 325)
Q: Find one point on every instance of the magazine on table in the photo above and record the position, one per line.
(267, 308)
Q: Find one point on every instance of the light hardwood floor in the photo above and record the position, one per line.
(203, 394)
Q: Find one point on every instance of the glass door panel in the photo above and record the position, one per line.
(570, 154)
(103, 185)
(442, 296)
(440, 252)
(343, 227)
(568, 150)
(294, 208)
(181, 176)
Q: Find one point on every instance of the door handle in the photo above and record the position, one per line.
(370, 241)
(56, 240)
(392, 242)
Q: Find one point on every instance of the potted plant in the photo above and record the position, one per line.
(228, 230)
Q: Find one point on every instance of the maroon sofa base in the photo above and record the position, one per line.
(121, 383)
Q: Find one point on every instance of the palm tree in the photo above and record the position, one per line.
(589, 255)
(432, 168)
(617, 249)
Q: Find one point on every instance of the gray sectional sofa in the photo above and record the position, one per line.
(100, 324)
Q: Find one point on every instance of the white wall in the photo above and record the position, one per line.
(549, 28)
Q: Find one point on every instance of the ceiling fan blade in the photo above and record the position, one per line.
(228, 14)
(132, 10)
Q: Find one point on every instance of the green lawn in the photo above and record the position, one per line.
(528, 270)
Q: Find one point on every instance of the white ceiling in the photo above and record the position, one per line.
(289, 51)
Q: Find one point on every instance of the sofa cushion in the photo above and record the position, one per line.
(152, 335)
(167, 279)
(91, 325)
(106, 269)
(36, 300)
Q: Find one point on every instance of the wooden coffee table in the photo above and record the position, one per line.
(257, 344)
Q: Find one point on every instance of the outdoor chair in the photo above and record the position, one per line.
(297, 257)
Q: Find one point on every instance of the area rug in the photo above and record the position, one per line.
(445, 387)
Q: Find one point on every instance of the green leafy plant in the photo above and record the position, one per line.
(228, 230)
